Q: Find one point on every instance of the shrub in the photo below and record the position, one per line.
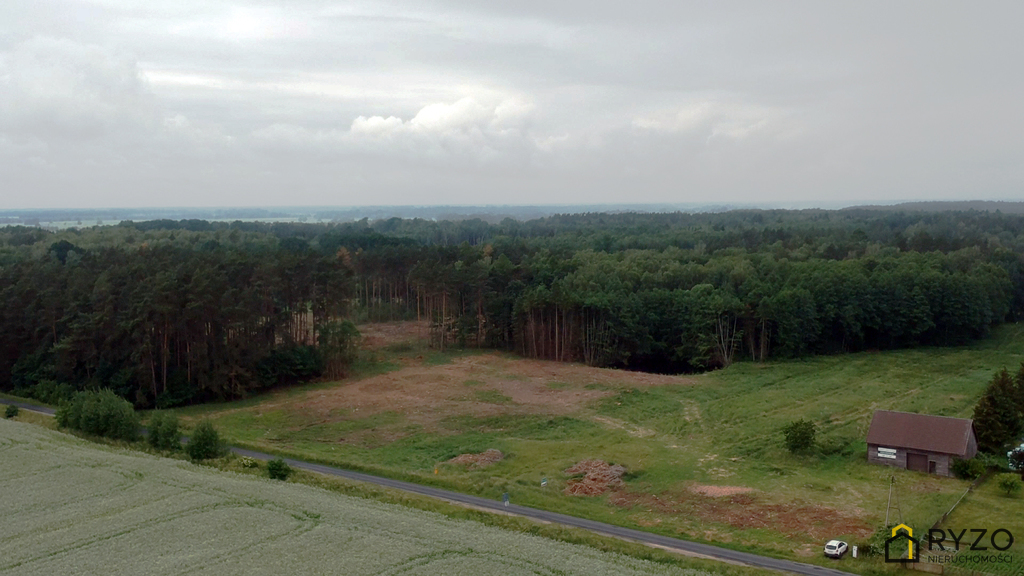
(1010, 485)
(1016, 459)
(992, 462)
(101, 413)
(799, 435)
(205, 442)
(163, 433)
(968, 469)
(11, 411)
(250, 462)
(278, 469)
(875, 544)
(51, 392)
(836, 447)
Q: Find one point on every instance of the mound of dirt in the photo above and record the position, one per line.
(598, 477)
(485, 458)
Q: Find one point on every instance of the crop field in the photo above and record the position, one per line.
(72, 507)
(702, 454)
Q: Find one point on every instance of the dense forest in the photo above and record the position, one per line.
(168, 312)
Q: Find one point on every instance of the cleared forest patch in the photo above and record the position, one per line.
(704, 453)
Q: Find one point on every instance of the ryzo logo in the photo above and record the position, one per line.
(936, 536)
(903, 535)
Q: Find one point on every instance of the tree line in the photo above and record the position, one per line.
(167, 312)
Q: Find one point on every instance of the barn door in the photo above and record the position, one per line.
(917, 462)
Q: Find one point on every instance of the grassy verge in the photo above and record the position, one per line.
(989, 508)
(506, 522)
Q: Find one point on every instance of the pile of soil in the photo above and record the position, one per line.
(598, 477)
(485, 458)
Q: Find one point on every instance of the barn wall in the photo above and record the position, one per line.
(900, 461)
(972, 446)
(943, 462)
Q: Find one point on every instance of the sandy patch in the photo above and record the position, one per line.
(718, 491)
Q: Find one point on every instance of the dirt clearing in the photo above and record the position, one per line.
(747, 511)
(718, 491)
(425, 395)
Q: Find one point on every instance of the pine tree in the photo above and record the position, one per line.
(997, 417)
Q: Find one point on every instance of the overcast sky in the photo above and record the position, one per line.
(218, 103)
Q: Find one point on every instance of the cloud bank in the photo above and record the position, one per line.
(445, 102)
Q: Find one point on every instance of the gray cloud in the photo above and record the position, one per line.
(109, 102)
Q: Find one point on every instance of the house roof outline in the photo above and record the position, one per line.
(923, 432)
(913, 545)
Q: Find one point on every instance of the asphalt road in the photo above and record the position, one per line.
(675, 544)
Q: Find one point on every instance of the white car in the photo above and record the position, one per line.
(835, 548)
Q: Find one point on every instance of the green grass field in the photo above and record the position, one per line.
(77, 508)
(990, 508)
(720, 430)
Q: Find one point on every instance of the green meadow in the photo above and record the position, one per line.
(704, 453)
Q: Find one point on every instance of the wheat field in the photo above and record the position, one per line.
(72, 507)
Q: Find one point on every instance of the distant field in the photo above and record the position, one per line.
(72, 507)
(704, 453)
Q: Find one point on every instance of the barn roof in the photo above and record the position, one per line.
(920, 432)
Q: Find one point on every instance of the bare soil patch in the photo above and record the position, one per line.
(425, 395)
(598, 477)
(485, 458)
(718, 491)
(749, 511)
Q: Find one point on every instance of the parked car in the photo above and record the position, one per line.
(836, 548)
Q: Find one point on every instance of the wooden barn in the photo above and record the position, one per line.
(920, 442)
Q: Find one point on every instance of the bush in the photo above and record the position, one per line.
(163, 433)
(205, 442)
(50, 392)
(836, 447)
(968, 469)
(875, 545)
(799, 435)
(1015, 459)
(101, 413)
(992, 462)
(1010, 485)
(250, 462)
(278, 469)
(11, 411)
